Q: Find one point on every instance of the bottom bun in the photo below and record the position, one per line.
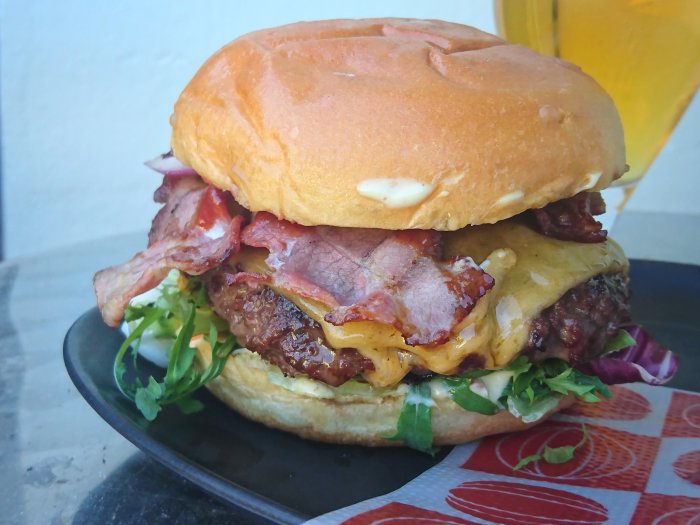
(313, 410)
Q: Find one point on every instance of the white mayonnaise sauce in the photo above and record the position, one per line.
(413, 398)
(479, 388)
(395, 193)
(439, 389)
(215, 232)
(496, 382)
(157, 351)
(591, 180)
(510, 197)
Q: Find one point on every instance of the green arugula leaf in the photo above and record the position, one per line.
(580, 384)
(179, 314)
(155, 388)
(181, 355)
(522, 381)
(414, 426)
(146, 399)
(529, 412)
(519, 365)
(470, 400)
(564, 385)
(537, 388)
(527, 460)
(150, 316)
(554, 367)
(589, 397)
(621, 339)
(556, 455)
(532, 391)
(189, 405)
(469, 374)
(218, 360)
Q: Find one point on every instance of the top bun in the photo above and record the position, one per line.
(394, 123)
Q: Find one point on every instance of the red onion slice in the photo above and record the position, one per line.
(168, 165)
(646, 361)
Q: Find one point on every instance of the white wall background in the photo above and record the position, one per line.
(87, 88)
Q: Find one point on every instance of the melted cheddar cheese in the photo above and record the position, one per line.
(531, 271)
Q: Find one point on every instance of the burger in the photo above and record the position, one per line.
(383, 232)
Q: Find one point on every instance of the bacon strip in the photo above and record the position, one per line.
(572, 219)
(193, 232)
(392, 277)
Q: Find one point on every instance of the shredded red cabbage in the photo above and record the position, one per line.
(646, 361)
(167, 164)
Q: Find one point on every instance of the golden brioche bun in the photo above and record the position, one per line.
(394, 123)
(245, 386)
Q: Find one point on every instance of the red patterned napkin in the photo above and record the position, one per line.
(641, 465)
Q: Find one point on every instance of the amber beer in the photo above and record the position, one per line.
(645, 53)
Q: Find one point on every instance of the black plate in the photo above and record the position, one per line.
(287, 480)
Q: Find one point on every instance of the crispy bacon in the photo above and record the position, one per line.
(572, 219)
(392, 277)
(193, 232)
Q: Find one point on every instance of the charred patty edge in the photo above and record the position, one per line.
(575, 328)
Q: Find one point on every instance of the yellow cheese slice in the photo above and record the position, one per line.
(532, 272)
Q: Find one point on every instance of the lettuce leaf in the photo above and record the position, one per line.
(621, 339)
(532, 391)
(461, 393)
(177, 312)
(555, 455)
(528, 411)
(414, 426)
(536, 389)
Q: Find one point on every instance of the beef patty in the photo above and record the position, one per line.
(267, 323)
(575, 328)
(578, 325)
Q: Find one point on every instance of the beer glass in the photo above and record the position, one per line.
(645, 53)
